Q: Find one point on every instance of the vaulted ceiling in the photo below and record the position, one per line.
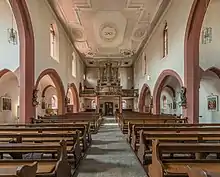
(113, 30)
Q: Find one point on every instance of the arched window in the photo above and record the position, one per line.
(54, 42)
(93, 104)
(73, 65)
(124, 104)
(165, 41)
(54, 102)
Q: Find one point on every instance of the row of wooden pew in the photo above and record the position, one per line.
(144, 118)
(47, 147)
(175, 149)
(95, 119)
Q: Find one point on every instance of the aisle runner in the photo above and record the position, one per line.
(110, 155)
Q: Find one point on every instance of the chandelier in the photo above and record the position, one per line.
(12, 34)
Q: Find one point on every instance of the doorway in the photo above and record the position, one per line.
(109, 108)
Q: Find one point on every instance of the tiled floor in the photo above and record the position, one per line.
(110, 155)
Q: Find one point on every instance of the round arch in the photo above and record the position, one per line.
(45, 89)
(215, 71)
(27, 69)
(3, 72)
(59, 87)
(144, 90)
(159, 86)
(191, 58)
(74, 92)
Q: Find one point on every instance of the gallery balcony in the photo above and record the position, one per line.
(129, 93)
(87, 93)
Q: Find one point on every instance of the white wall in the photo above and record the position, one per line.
(126, 77)
(42, 17)
(176, 18)
(210, 53)
(210, 84)
(9, 88)
(9, 53)
(209, 56)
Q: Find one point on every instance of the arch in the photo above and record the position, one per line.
(191, 58)
(215, 71)
(45, 89)
(26, 38)
(171, 90)
(159, 86)
(4, 71)
(59, 87)
(75, 97)
(144, 90)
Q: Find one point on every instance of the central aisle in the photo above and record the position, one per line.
(110, 155)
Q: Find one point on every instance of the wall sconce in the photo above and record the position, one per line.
(34, 99)
(148, 77)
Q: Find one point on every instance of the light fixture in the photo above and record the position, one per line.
(12, 34)
(148, 77)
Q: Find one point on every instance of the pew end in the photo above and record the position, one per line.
(195, 172)
(27, 170)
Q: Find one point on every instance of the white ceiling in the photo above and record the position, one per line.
(109, 29)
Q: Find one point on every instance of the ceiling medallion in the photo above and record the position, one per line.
(127, 52)
(139, 33)
(108, 32)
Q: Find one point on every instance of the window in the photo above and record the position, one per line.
(73, 65)
(93, 104)
(165, 41)
(54, 43)
(124, 104)
(54, 102)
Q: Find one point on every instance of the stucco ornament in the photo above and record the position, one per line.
(108, 32)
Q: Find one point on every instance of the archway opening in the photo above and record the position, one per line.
(167, 94)
(50, 92)
(145, 100)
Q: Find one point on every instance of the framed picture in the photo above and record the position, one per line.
(212, 103)
(5, 104)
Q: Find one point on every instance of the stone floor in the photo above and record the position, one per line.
(110, 155)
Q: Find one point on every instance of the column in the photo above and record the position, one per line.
(120, 104)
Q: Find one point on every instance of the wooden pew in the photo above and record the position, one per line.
(148, 119)
(196, 172)
(18, 171)
(161, 167)
(134, 128)
(85, 135)
(146, 141)
(72, 142)
(94, 119)
(46, 167)
(193, 129)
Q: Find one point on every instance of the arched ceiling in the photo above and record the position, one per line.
(109, 29)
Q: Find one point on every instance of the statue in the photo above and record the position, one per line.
(183, 96)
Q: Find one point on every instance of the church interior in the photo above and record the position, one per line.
(103, 88)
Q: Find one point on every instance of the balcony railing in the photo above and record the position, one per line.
(109, 92)
(129, 93)
(87, 93)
